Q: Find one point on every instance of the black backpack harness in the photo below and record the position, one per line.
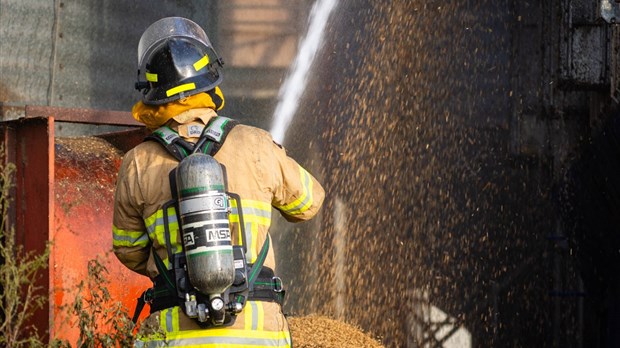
(252, 281)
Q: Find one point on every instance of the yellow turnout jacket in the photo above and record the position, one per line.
(261, 173)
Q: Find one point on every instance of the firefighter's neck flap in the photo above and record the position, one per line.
(154, 116)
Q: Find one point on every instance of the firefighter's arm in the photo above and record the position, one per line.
(297, 194)
(130, 240)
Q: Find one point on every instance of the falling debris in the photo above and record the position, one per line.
(426, 204)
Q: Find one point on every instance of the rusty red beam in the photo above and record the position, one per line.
(29, 144)
(77, 115)
(80, 115)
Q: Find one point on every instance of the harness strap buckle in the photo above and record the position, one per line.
(148, 295)
(277, 284)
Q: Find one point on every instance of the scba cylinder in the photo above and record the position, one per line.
(203, 210)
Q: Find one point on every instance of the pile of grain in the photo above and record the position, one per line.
(321, 332)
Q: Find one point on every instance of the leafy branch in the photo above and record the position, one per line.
(20, 296)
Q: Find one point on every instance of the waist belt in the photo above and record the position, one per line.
(267, 287)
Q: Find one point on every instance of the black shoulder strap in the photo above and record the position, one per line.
(213, 136)
(171, 140)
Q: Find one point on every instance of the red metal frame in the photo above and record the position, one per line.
(29, 144)
(77, 222)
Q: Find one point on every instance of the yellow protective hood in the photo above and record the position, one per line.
(155, 116)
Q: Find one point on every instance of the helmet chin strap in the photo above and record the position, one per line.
(140, 85)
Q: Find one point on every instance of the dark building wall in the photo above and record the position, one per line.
(445, 130)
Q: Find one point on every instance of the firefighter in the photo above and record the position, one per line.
(179, 74)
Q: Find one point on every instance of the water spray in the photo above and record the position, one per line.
(295, 83)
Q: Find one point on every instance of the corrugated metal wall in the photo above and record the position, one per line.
(71, 53)
(79, 53)
(25, 53)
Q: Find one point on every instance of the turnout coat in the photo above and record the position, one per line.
(261, 173)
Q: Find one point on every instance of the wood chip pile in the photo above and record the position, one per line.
(322, 332)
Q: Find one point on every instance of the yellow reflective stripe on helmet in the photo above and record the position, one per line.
(151, 77)
(125, 238)
(156, 230)
(182, 88)
(201, 63)
(305, 200)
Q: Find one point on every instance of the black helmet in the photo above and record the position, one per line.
(176, 60)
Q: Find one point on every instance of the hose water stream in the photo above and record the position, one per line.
(295, 83)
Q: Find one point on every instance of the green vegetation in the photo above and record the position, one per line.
(102, 321)
(20, 296)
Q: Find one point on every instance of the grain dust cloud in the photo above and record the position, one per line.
(432, 234)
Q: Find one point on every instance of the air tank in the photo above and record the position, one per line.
(203, 210)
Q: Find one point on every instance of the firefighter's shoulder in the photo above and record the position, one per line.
(251, 135)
